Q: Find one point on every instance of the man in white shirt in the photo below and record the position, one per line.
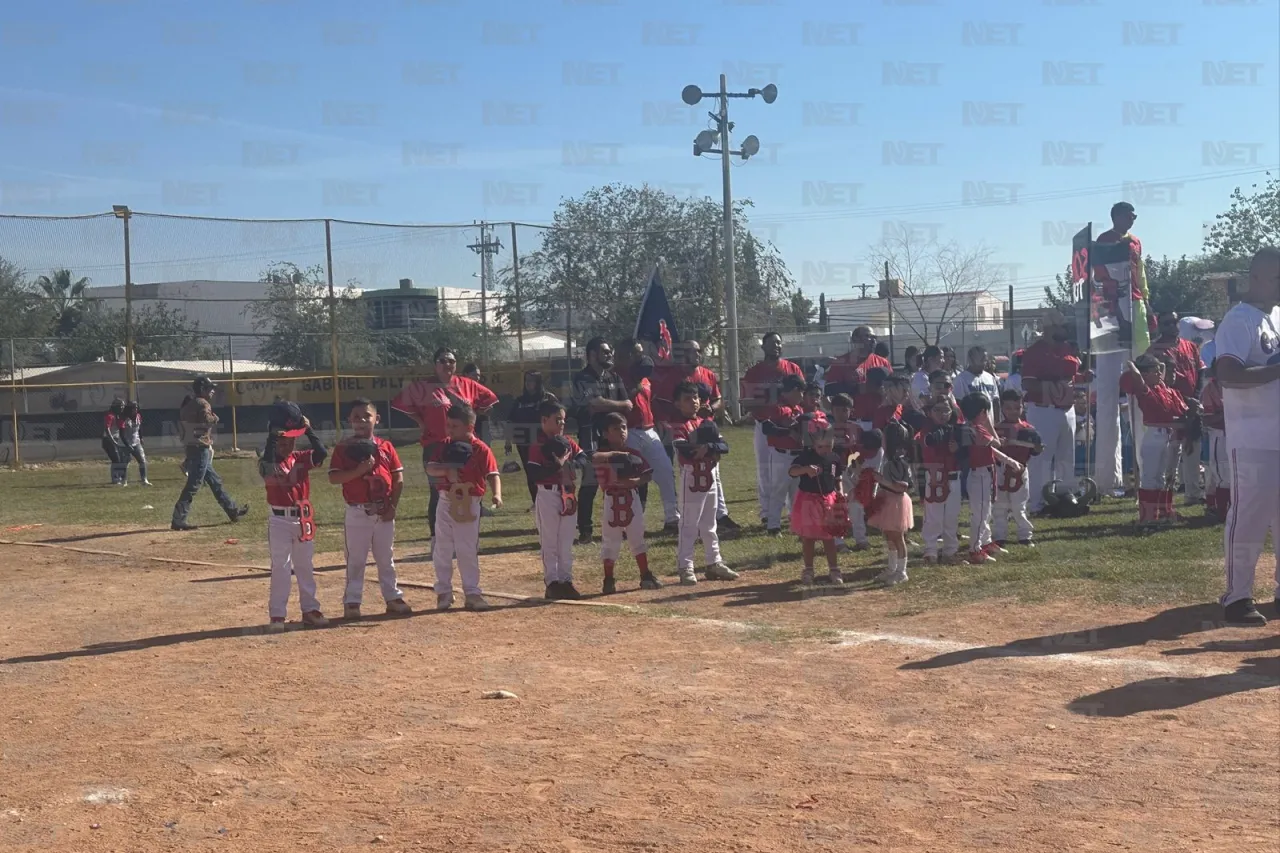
(1248, 369)
(932, 360)
(976, 378)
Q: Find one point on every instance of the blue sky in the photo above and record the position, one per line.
(1010, 123)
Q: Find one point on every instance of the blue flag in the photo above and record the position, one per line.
(655, 322)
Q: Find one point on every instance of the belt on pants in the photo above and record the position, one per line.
(954, 475)
(369, 508)
(285, 511)
(786, 450)
(1048, 406)
(549, 487)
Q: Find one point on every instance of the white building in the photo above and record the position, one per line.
(945, 318)
(220, 307)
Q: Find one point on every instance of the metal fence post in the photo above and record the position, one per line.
(16, 461)
(231, 370)
(124, 214)
(333, 328)
(515, 281)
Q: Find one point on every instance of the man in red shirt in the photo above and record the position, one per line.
(635, 369)
(1185, 355)
(759, 391)
(369, 470)
(427, 402)
(1050, 370)
(849, 371)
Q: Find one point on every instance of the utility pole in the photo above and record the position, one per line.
(704, 144)
(122, 212)
(486, 248)
(863, 287)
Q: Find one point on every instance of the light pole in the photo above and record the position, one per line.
(123, 213)
(704, 144)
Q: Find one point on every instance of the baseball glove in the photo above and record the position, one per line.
(511, 467)
(359, 449)
(939, 435)
(457, 453)
(708, 434)
(553, 450)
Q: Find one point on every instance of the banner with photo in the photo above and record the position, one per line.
(1111, 302)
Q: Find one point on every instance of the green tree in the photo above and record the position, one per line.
(65, 298)
(802, 311)
(449, 330)
(160, 334)
(1179, 285)
(293, 318)
(1252, 221)
(23, 318)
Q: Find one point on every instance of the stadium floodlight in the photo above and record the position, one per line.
(691, 95)
(705, 141)
(750, 147)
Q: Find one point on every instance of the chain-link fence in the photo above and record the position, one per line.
(132, 306)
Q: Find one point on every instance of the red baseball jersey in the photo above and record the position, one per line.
(641, 414)
(1049, 370)
(843, 370)
(481, 464)
(939, 457)
(865, 405)
(759, 384)
(426, 399)
(1161, 405)
(1211, 398)
(537, 457)
(701, 471)
(1008, 432)
(981, 455)
(1185, 356)
(665, 380)
(885, 413)
(375, 486)
(607, 473)
(289, 483)
(783, 416)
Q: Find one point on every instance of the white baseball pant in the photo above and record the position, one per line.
(1255, 508)
(764, 472)
(1217, 474)
(1015, 504)
(364, 533)
(942, 521)
(290, 556)
(457, 533)
(611, 536)
(647, 444)
(722, 508)
(1057, 428)
(1158, 458)
(555, 533)
(981, 485)
(782, 486)
(858, 513)
(697, 521)
(1189, 473)
(1106, 384)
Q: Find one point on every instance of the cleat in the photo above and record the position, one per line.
(475, 602)
(720, 572)
(444, 601)
(238, 513)
(727, 523)
(351, 611)
(1026, 543)
(314, 619)
(276, 625)
(182, 525)
(569, 592)
(147, 483)
(999, 549)
(977, 558)
(398, 607)
(1243, 612)
(554, 591)
(609, 587)
(898, 576)
(687, 577)
(671, 528)
(648, 581)
(835, 578)
(774, 532)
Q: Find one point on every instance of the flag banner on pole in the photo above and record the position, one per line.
(655, 322)
(1082, 289)
(1111, 303)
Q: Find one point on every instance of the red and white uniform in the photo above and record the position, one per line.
(759, 389)
(697, 501)
(982, 483)
(844, 371)
(1217, 474)
(1012, 488)
(708, 393)
(556, 526)
(1251, 337)
(623, 514)
(1049, 371)
(288, 486)
(458, 523)
(363, 528)
(643, 438)
(426, 400)
(1162, 410)
(941, 496)
(781, 450)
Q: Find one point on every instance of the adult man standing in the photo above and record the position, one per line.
(1185, 355)
(635, 369)
(1049, 373)
(597, 391)
(687, 367)
(931, 361)
(427, 402)
(1248, 369)
(197, 421)
(759, 390)
(849, 371)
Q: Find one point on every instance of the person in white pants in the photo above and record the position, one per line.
(466, 468)
(698, 449)
(647, 443)
(290, 525)
(620, 473)
(1020, 442)
(942, 485)
(759, 391)
(1217, 472)
(1050, 370)
(553, 458)
(372, 478)
(1248, 368)
(778, 422)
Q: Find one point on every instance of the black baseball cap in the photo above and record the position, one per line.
(286, 419)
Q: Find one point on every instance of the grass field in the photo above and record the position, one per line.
(1081, 696)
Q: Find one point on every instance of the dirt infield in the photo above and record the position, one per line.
(143, 709)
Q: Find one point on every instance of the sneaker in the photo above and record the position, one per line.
(182, 525)
(351, 611)
(930, 561)
(1243, 612)
(398, 607)
(861, 546)
(444, 601)
(671, 528)
(1117, 493)
(476, 603)
(648, 581)
(806, 577)
(835, 577)
(724, 522)
(569, 592)
(583, 539)
(609, 587)
(238, 513)
(687, 577)
(774, 532)
(977, 558)
(554, 591)
(314, 619)
(720, 572)
(276, 625)
(997, 547)
(147, 483)
(898, 576)
(1026, 543)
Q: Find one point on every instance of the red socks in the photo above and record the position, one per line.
(1148, 505)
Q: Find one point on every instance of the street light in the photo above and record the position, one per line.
(705, 143)
(123, 213)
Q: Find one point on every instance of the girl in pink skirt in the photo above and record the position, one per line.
(892, 514)
(816, 515)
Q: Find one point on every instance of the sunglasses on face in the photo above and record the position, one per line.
(447, 361)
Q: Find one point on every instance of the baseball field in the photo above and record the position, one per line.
(1081, 696)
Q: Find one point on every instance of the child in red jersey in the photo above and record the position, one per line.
(291, 525)
(811, 399)
(1020, 442)
(941, 490)
(1217, 473)
(698, 449)
(553, 458)
(372, 478)
(465, 468)
(820, 471)
(1163, 414)
(982, 440)
(778, 422)
(621, 472)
